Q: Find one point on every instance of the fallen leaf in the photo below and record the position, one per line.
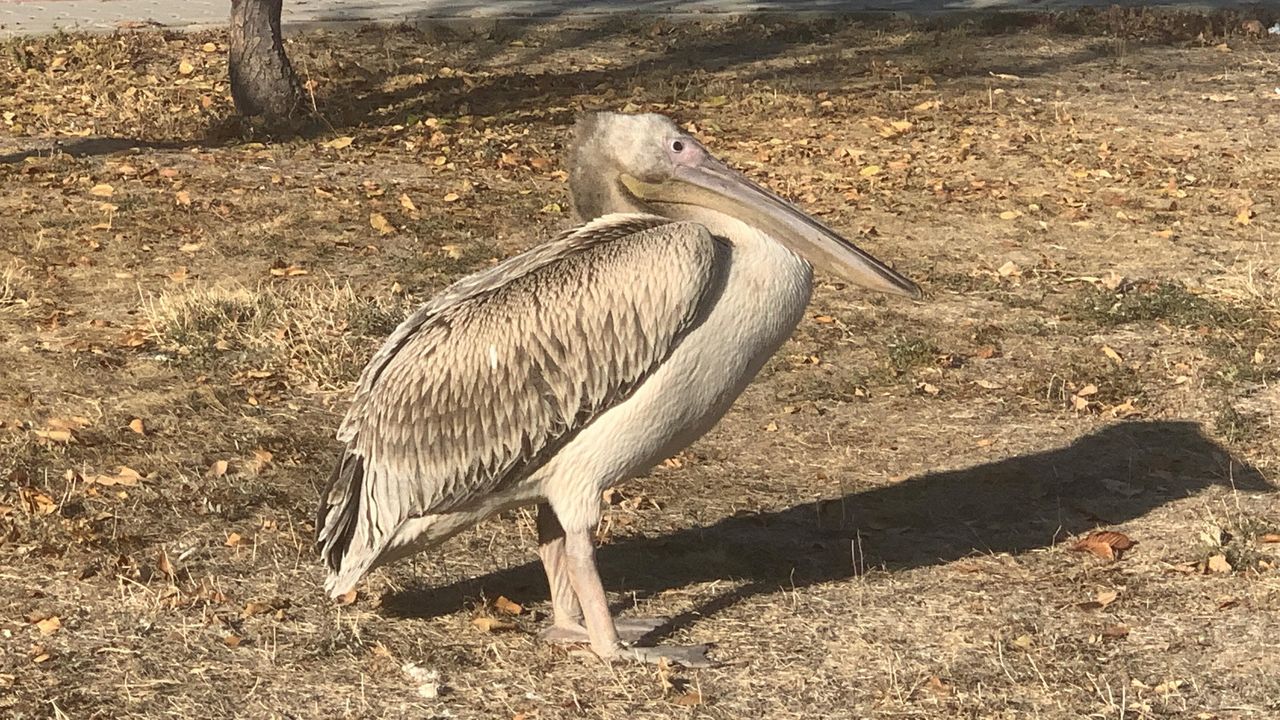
(1124, 410)
(218, 468)
(185, 67)
(35, 502)
(49, 625)
(1270, 538)
(163, 566)
(261, 459)
(340, 142)
(379, 222)
(137, 426)
(490, 625)
(988, 384)
(234, 539)
(503, 605)
(938, 686)
(102, 190)
(1009, 269)
(1010, 215)
(132, 339)
(1022, 642)
(231, 641)
(1111, 353)
(1218, 564)
(209, 47)
(1101, 600)
(893, 128)
(450, 197)
(1106, 544)
(256, 607)
(407, 204)
(869, 170)
(1087, 390)
(179, 275)
(689, 699)
(183, 198)
(125, 476)
(58, 436)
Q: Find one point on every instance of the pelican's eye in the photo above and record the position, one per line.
(677, 145)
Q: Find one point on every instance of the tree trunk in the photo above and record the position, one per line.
(262, 80)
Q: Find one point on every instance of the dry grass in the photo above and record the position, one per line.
(880, 528)
(14, 281)
(321, 335)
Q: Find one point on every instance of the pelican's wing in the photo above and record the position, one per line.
(484, 383)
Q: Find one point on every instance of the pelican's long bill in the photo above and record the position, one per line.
(712, 184)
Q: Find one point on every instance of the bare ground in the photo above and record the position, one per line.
(882, 527)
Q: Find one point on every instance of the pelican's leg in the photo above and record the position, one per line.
(585, 579)
(566, 613)
(566, 620)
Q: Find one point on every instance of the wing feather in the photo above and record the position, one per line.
(485, 382)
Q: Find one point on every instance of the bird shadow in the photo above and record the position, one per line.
(1015, 505)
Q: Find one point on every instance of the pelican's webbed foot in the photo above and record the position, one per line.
(629, 630)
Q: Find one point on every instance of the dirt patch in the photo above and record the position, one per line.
(881, 526)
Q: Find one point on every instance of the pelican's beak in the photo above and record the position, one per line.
(712, 184)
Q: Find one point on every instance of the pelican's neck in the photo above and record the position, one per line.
(595, 196)
(737, 233)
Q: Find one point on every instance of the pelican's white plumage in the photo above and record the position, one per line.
(578, 364)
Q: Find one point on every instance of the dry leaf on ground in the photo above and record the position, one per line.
(503, 605)
(489, 625)
(1218, 564)
(1106, 544)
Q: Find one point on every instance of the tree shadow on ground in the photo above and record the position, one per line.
(1024, 503)
(952, 45)
(674, 54)
(684, 52)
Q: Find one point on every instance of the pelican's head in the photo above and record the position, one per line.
(645, 163)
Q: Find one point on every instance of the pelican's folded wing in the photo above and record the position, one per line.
(484, 383)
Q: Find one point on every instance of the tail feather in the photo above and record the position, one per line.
(337, 521)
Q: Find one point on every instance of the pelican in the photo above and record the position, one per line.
(578, 364)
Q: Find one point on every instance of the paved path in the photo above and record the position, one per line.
(18, 17)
